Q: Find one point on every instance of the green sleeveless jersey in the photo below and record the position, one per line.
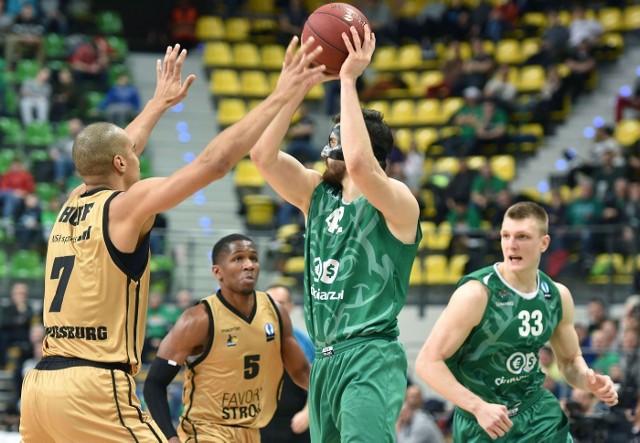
(356, 271)
(499, 359)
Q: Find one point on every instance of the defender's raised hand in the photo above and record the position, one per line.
(169, 87)
(298, 70)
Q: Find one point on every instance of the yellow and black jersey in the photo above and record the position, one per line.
(95, 300)
(236, 381)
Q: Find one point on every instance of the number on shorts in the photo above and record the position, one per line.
(61, 269)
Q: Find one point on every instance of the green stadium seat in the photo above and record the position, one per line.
(38, 134)
(12, 130)
(27, 265)
(109, 23)
(54, 47)
(6, 157)
(47, 191)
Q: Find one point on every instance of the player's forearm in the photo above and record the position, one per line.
(440, 378)
(354, 136)
(574, 371)
(140, 128)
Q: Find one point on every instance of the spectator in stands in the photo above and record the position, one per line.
(161, 317)
(89, 63)
(29, 224)
(53, 18)
(452, 69)
(478, 68)
(634, 431)
(582, 64)
(35, 97)
(184, 17)
(491, 129)
(15, 184)
(381, 20)
(414, 424)
(60, 153)
(603, 143)
(583, 31)
(65, 99)
(606, 176)
(300, 135)
(291, 20)
(630, 100)
(555, 382)
(184, 299)
(501, 90)
(465, 221)
(597, 312)
(15, 320)
(485, 188)
(461, 183)
(467, 118)
(584, 212)
(6, 20)
(26, 35)
(457, 21)
(606, 355)
(626, 370)
(32, 354)
(413, 170)
(555, 36)
(122, 102)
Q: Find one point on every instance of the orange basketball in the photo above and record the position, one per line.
(326, 25)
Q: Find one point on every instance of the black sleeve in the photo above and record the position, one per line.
(161, 374)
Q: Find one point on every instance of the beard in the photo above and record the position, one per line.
(335, 172)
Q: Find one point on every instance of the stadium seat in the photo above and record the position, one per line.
(261, 7)
(447, 165)
(246, 175)
(109, 23)
(54, 47)
(435, 269)
(534, 19)
(271, 57)
(450, 106)
(237, 29)
(611, 19)
(38, 134)
(409, 56)
(632, 18)
(217, 54)
(401, 113)
(210, 27)
(456, 267)
(12, 131)
(509, 52)
(260, 211)
(429, 112)
(119, 46)
(385, 58)
(531, 79)
(26, 264)
(476, 162)
(25, 69)
(428, 79)
(529, 47)
(415, 277)
(380, 106)
(225, 83)
(627, 132)
(47, 191)
(503, 166)
(230, 110)
(403, 138)
(254, 83)
(424, 138)
(316, 93)
(246, 55)
(6, 157)
(4, 264)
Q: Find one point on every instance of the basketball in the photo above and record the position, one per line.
(326, 25)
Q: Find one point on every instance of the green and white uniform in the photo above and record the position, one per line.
(499, 360)
(356, 281)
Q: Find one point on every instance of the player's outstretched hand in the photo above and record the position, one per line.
(169, 87)
(298, 70)
(494, 419)
(360, 53)
(602, 387)
(300, 422)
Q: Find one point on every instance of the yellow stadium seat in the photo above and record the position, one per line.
(379, 105)
(450, 106)
(632, 18)
(456, 268)
(246, 55)
(503, 166)
(476, 162)
(429, 112)
(435, 269)
(424, 138)
(230, 110)
(266, 7)
(409, 56)
(217, 54)
(428, 79)
(627, 132)
(272, 56)
(254, 83)
(247, 175)
(224, 83)
(260, 213)
(316, 93)
(611, 19)
(385, 58)
(448, 165)
(410, 78)
(415, 278)
(210, 27)
(320, 166)
(531, 79)
(401, 113)
(509, 52)
(237, 29)
(534, 19)
(403, 138)
(529, 47)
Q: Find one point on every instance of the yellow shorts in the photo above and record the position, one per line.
(83, 404)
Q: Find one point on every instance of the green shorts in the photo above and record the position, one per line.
(542, 421)
(356, 391)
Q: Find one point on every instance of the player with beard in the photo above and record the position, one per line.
(234, 344)
(362, 235)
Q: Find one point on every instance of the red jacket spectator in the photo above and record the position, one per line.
(17, 178)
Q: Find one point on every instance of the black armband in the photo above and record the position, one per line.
(160, 375)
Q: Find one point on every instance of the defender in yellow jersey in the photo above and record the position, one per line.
(234, 344)
(97, 269)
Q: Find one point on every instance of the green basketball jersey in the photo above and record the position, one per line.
(356, 271)
(499, 359)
